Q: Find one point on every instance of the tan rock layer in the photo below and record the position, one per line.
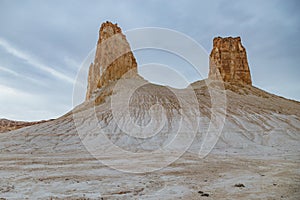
(9, 125)
(113, 58)
(228, 61)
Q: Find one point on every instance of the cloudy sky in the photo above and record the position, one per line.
(43, 43)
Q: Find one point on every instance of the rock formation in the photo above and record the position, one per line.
(9, 125)
(173, 144)
(228, 61)
(113, 58)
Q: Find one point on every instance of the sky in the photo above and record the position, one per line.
(43, 43)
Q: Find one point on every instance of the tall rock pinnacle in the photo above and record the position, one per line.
(113, 58)
(228, 61)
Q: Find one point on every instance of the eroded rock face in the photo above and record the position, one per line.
(228, 61)
(113, 58)
(9, 125)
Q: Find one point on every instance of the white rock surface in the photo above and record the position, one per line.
(258, 147)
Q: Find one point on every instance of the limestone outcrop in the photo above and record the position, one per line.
(113, 58)
(9, 125)
(228, 61)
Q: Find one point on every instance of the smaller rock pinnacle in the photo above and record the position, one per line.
(228, 61)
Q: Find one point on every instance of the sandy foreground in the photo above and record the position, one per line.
(80, 176)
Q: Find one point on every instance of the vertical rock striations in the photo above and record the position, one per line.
(228, 61)
(113, 58)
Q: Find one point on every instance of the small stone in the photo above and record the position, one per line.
(205, 195)
(239, 185)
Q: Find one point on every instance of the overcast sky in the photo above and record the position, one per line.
(43, 43)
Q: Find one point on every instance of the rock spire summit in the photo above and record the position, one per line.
(113, 58)
(228, 61)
